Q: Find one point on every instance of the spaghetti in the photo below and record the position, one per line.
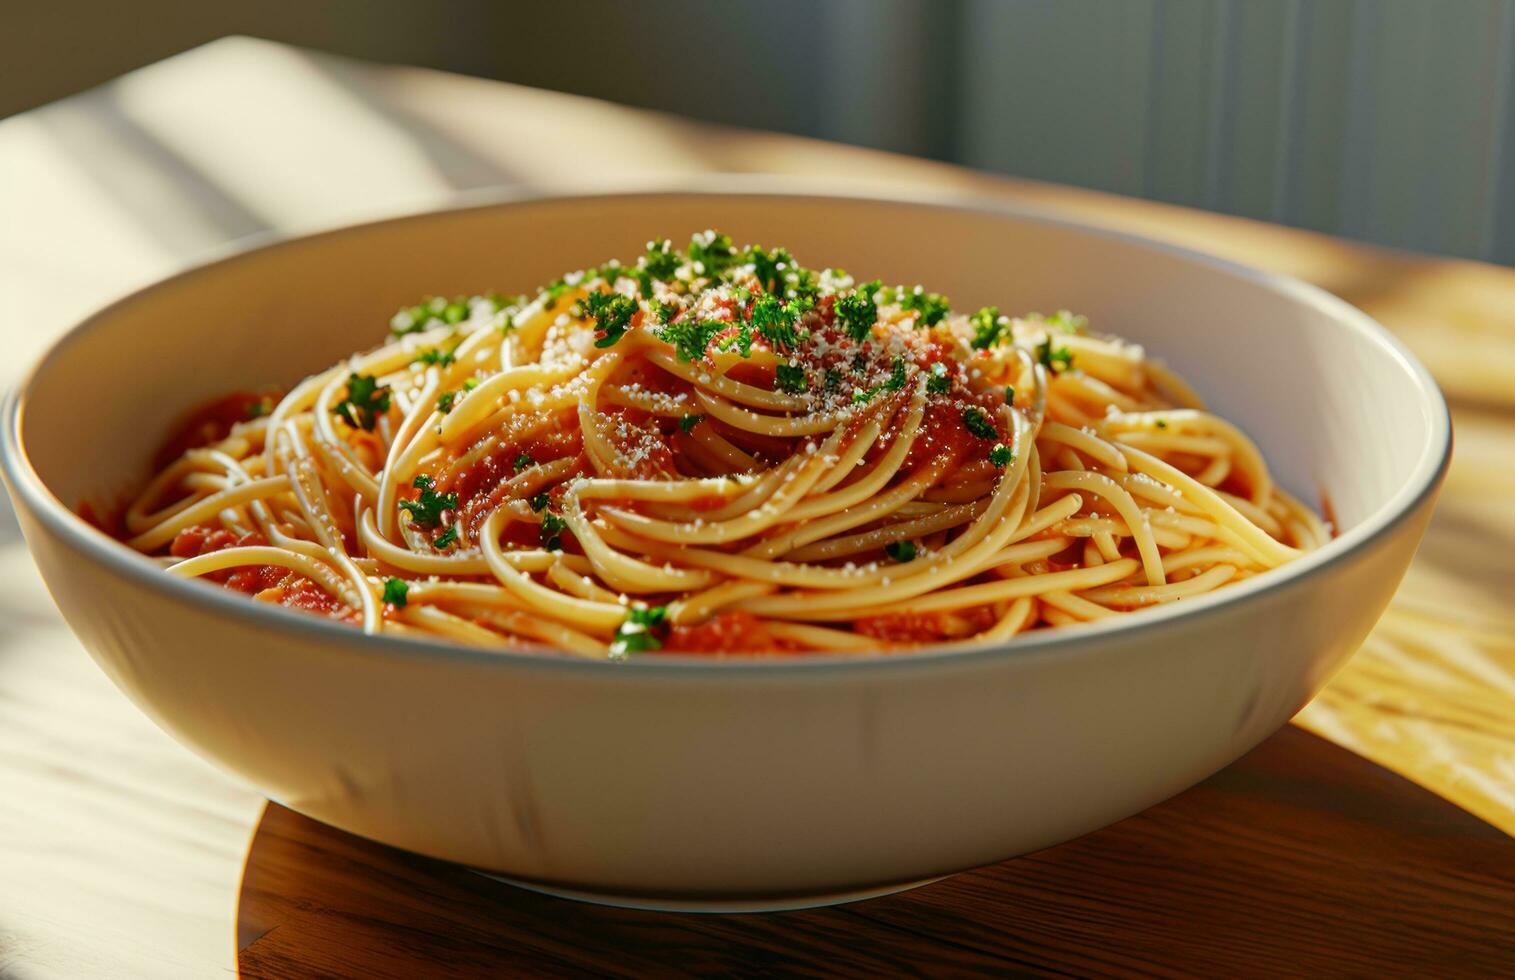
(718, 450)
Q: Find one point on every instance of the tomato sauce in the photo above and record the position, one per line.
(729, 632)
(269, 583)
(928, 627)
(212, 422)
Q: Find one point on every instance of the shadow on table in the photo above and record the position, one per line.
(1300, 858)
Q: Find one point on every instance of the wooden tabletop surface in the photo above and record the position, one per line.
(1300, 859)
(123, 854)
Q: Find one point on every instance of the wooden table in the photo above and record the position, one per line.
(121, 853)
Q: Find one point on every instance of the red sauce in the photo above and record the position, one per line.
(197, 539)
(212, 422)
(942, 433)
(268, 583)
(927, 627)
(731, 632)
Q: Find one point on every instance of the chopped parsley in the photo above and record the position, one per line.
(432, 308)
(857, 312)
(445, 400)
(539, 502)
(659, 313)
(772, 269)
(862, 396)
(791, 378)
(366, 400)
(978, 424)
(426, 510)
(555, 291)
(258, 408)
(988, 327)
(660, 261)
(1001, 455)
(470, 384)
(1054, 359)
(929, 308)
(1067, 322)
(434, 355)
(447, 537)
(635, 634)
(739, 338)
(523, 460)
(1009, 395)
(1162, 423)
(688, 422)
(833, 379)
(900, 551)
(939, 383)
(775, 319)
(712, 253)
(691, 338)
(396, 590)
(897, 376)
(553, 527)
(612, 313)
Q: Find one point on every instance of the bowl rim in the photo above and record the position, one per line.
(1426, 475)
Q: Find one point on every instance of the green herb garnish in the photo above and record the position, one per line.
(988, 327)
(523, 460)
(432, 308)
(712, 253)
(1054, 359)
(445, 400)
(612, 313)
(939, 383)
(433, 355)
(553, 527)
(635, 634)
(661, 261)
(791, 378)
(929, 308)
(447, 537)
(426, 510)
(555, 291)
(897, 376)
(978, 424)
(739, 339)
(1001, 455)
(1067, 322)
(688, 422)
(774, 320)
(691, 338)
(396, 591)
(366, 400)
(856, 311)
(900, 551)
(539, 502)
(773, 269)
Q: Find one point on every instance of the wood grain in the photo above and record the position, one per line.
(1300, 859)
(120, 851)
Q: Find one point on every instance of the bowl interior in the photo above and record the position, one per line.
(1338, 411)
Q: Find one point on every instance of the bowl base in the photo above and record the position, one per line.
(706, 905)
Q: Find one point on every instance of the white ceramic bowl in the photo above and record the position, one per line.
(726, 784)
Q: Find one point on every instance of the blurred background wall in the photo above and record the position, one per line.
(1387, 120)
